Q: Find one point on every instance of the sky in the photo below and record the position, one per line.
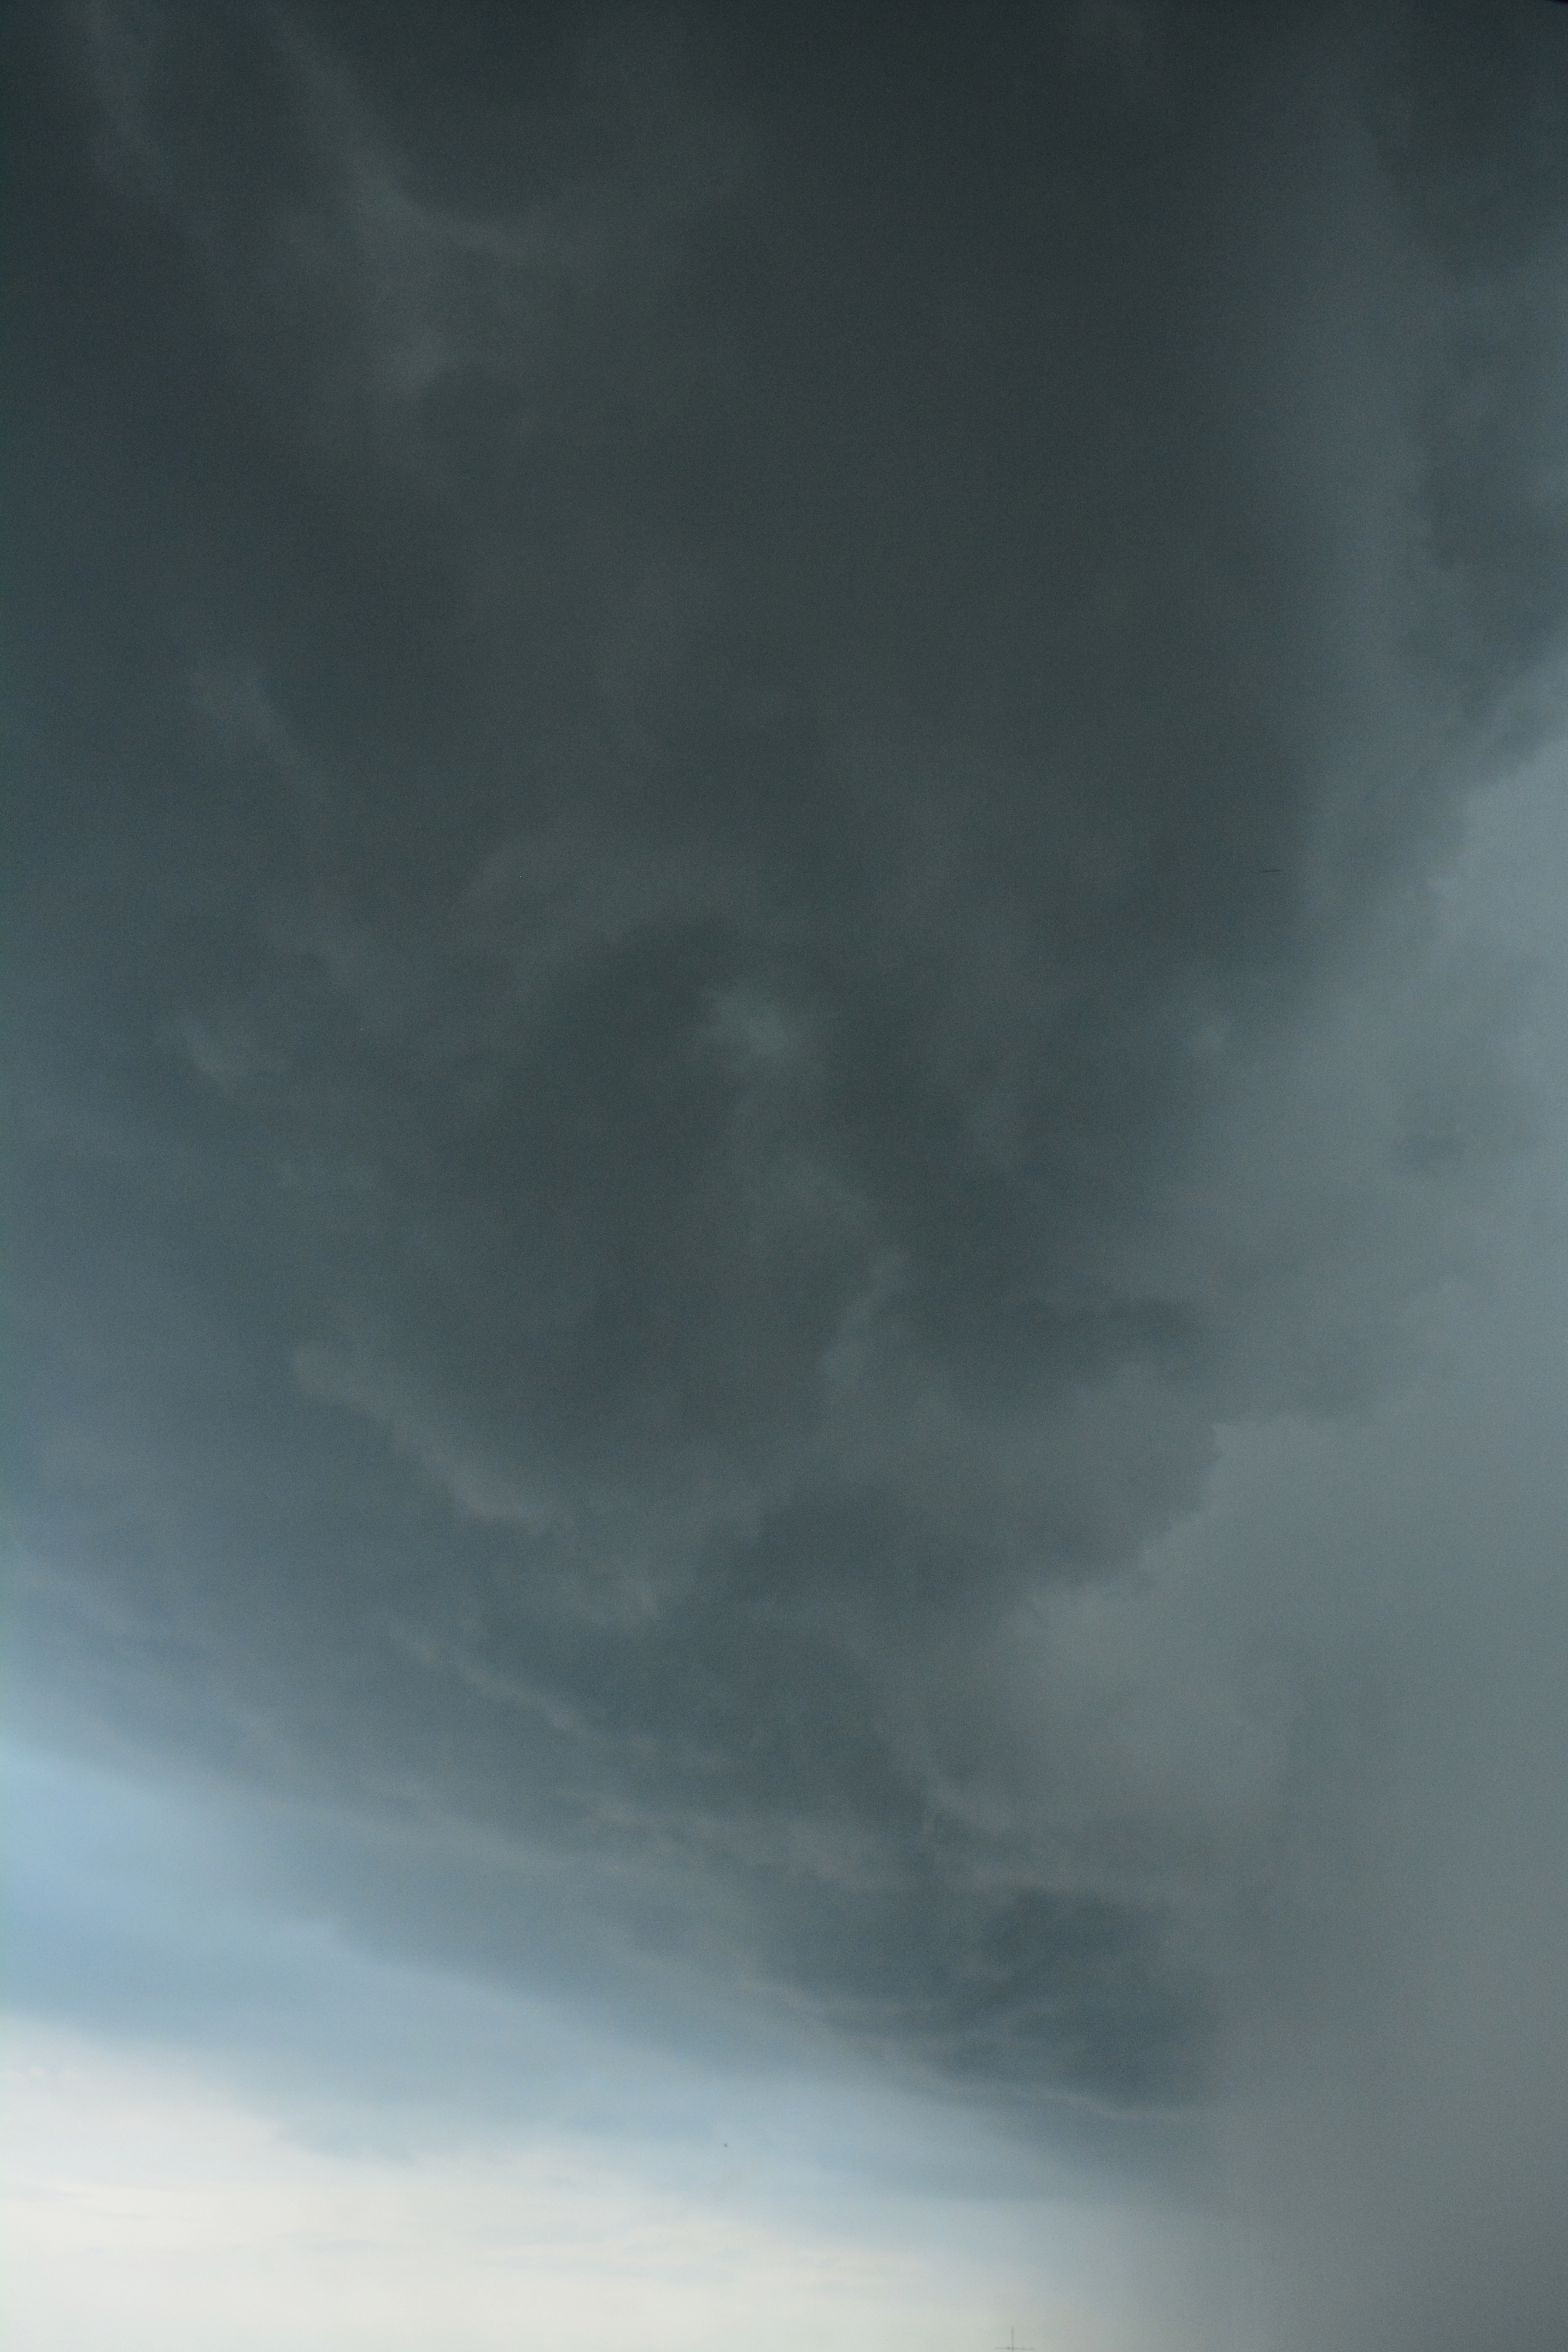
(786, 1000)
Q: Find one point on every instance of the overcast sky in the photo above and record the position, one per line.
(787, 1001)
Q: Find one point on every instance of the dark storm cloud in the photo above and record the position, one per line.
(737, 738)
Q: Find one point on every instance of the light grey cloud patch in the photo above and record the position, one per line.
(788, 942)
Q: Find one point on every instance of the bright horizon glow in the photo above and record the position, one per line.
(151, 2207)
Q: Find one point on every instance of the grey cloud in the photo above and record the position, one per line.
(772, 930)
(1401, 2060)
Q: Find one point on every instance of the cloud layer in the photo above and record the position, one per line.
(741, 741)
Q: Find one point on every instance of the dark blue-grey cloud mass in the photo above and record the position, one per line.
(734, 731)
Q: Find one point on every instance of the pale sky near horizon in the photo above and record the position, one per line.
(788, 997)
